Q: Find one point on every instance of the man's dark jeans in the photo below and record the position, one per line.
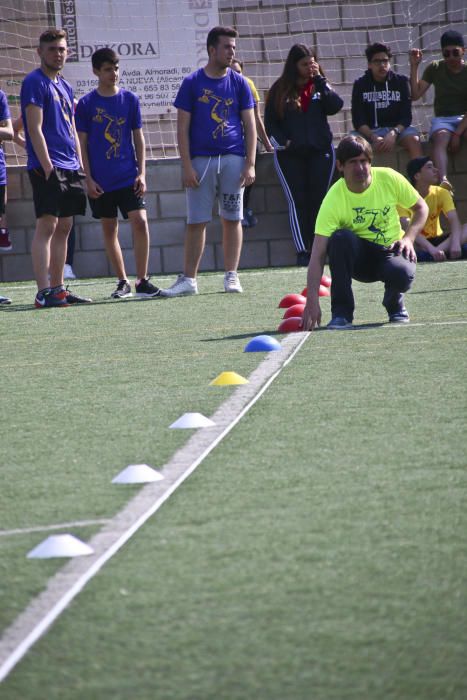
(351, 257)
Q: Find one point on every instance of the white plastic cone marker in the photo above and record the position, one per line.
(192, 420)
(137, 474)
(60, 546)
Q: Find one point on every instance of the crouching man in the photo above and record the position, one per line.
(358, 228)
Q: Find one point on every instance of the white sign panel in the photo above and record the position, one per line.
(158, 42)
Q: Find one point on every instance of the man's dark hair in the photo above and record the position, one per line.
(414, 166)
(372, 49)
(452, 38)
(52, 34)
(216, 32)
(102, 56)
(352, 147)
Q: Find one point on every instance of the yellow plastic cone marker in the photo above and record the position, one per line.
(228, 378)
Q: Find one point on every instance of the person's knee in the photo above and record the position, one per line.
(341, 238)
(401, 274)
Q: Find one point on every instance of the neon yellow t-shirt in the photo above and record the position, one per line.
(371, 214)
(439, 201)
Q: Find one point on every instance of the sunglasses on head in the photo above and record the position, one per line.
(455, 53)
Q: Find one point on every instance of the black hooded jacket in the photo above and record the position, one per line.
(381, 104)
(303, 129)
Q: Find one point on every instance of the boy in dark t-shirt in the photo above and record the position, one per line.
(109, 125)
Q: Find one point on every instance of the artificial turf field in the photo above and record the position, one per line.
(317, 553)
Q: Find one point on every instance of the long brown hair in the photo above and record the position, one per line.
(285, 90)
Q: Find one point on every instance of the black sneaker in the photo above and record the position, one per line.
(75, 299)
(123, 290)
(401, 316)
(146, 290)
(339, 323)
(47, 298)
(303, 258)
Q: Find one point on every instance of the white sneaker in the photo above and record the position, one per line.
(231, 282)
(68, 273)
(183, 286)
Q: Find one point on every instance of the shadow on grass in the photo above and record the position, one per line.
(249, 336)
(12, 308)
(437, 291)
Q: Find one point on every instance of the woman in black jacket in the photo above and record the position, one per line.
(296, 122)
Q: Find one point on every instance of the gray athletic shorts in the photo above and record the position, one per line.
(218, 175)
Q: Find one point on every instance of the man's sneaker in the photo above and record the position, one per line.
(73, 298)
(401, 316)
(48, 298)
(68, 273)
(5, 300)
(146, 290)
(231, 282)
(183, 286)
(339, 323)
(5, 243)
(122, 291)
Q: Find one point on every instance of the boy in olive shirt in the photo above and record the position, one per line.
(449, 79)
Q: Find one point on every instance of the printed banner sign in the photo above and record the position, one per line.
(159, 42)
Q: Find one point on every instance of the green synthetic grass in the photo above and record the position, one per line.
(318, 552)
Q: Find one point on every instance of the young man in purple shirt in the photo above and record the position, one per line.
(109, 126)
(54, 163)
(217, 143)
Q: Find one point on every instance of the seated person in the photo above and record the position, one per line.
(433, 243)
(381, 105)
(449, 79)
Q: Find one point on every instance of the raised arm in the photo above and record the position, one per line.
(417, 87)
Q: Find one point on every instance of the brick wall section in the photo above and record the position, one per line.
(268, 244)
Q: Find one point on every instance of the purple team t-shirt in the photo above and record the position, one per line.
(55, 98)
(109, 123)
(4, 114)
(215, 105)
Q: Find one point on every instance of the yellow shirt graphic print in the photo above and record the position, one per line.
(219, 111)
(112, 131)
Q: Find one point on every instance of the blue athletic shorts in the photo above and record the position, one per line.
(446, 123)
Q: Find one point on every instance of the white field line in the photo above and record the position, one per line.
(50, 528)
(62, 588)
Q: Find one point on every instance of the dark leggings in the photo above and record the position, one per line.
(351, 257)
(305, 176)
